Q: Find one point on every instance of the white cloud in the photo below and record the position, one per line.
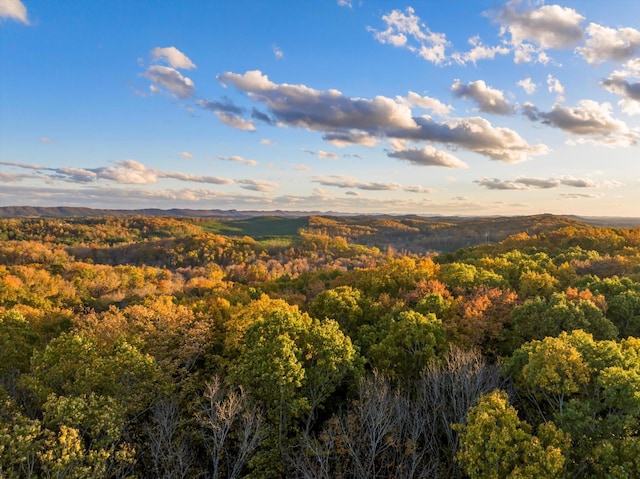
(14, 10)
(171, 79)
(346, 121)
(527, 85)
(345, 3)
(428, 156)
(235, 121)
(277, 52)
(590, 119)
(301, 106)
(266, 141)
(618, 82)
(433, 104)
(186, 155)
(44, 139)
(554, 85)
(174, 57)
(479, 52)
(549, 26)
(400, 26)
(609, 44)
(489, 100)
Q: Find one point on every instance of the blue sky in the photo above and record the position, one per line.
(465, 107)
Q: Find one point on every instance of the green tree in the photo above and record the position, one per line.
(496, 444)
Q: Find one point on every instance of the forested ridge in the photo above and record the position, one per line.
(318, 347)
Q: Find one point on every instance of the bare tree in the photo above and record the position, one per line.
(170, 451)
(232, 429)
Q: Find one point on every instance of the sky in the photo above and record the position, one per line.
(463, 107)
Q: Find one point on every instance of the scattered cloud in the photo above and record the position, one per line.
(173, 57)
(226, 106)
(235, 121)
(618, 82)
(417, 189)
(533, 183)
(428, 156)
(239, 159)
(262, 186)
(573, 196)
(609, 44)
(527, 85)
(345, 3)
(267, 141)
(479, 52)
(533, 30)
(433, 104)
(44, 139)
(302, 167)
(327, 155)
(554, 85)
(186, 155)
(277, 52)
(489, 100)
(129, 172)
(590, 119)
(403, 26)
(347, 121)
(340, 181)
(14, 10)
(171, 79)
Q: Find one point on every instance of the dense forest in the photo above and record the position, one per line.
(318, 347)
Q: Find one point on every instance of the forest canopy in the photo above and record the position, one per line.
(318, 347)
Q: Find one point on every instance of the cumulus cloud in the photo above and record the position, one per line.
(347, 121)
(609, 44)
(533, 183)
(534, 29)
(239, 159)
(403, 26)
(619, 82)
(171, 79)
(301, 106)
(340, 181)
(345, 3)
(475, 134)
(489, 100)
(173, 57)
(527, 85)
(14, 10)
(428, 156)
(433, 104)
(479, 52)
(590, 119)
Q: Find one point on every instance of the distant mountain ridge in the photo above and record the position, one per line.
(81, 212)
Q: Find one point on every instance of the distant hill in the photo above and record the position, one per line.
(410, 233)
